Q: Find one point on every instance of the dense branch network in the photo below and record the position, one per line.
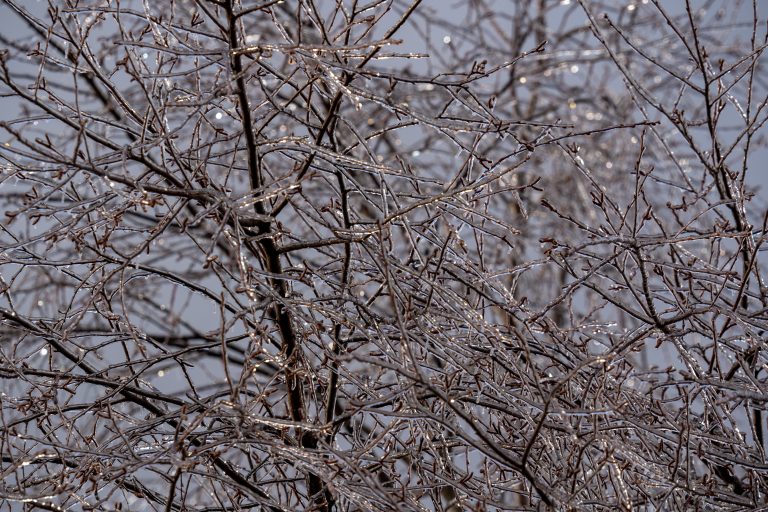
(388, 255)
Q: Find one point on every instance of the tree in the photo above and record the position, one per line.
(392, 255)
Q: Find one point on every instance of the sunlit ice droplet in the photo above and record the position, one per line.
(447, 39)
(523, 79)
(574, 69)
(219, 115)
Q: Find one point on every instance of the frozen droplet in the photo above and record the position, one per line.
(609, 165)
(633, 140)
(574, 68)
(523, 79)
(145, 55)
(43, 351)
(160, 373)
(631, 7)
(219, 115)
(571, 104)
(416, 153)
(447, 39)
(565, 2)
(40, 303)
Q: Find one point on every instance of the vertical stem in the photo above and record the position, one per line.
(271, 260)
